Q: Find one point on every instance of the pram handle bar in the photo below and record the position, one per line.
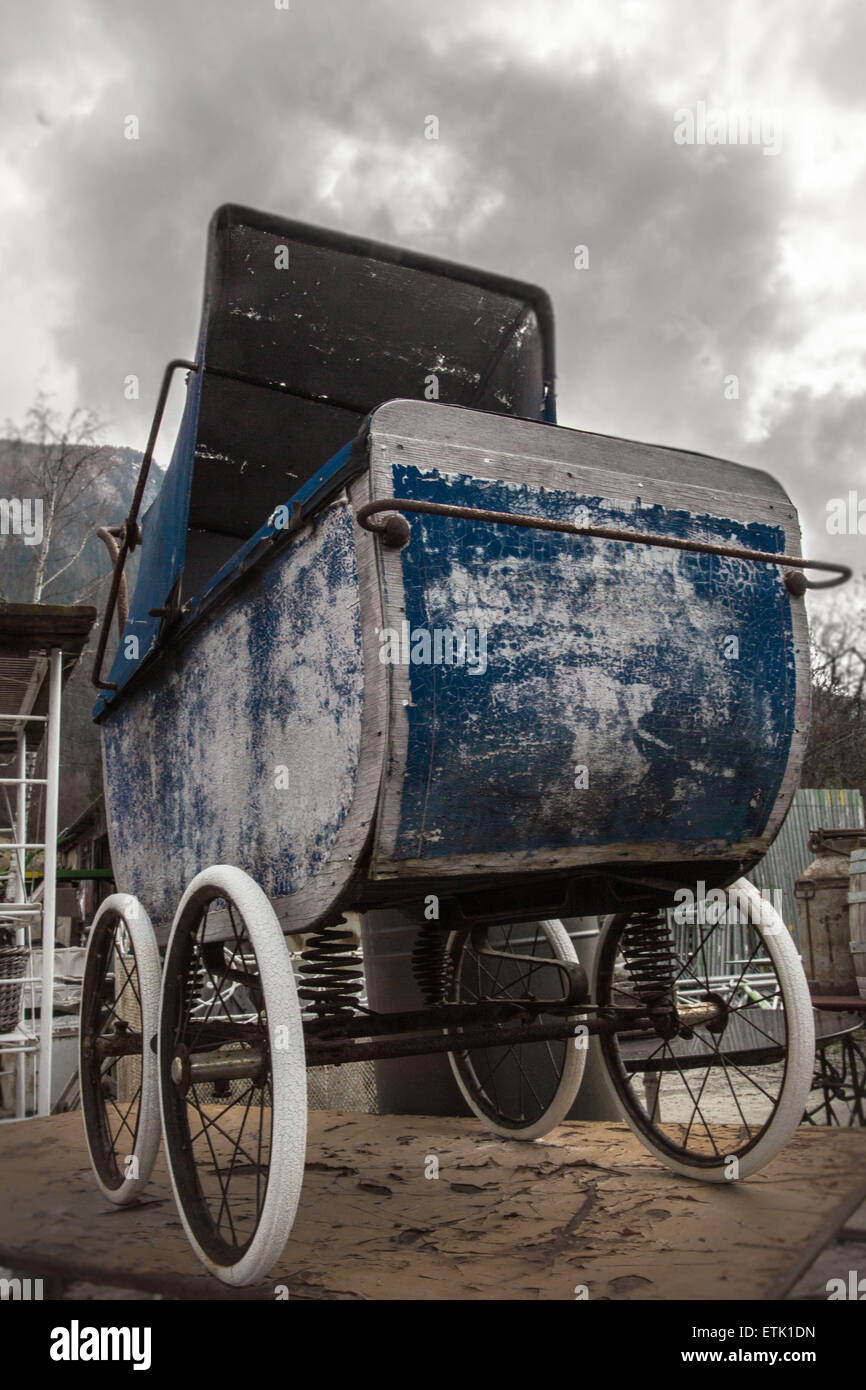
(129, 533)
(395, 533)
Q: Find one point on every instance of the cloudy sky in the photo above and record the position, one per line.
(557, 126)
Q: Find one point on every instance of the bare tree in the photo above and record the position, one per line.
(836, 756)
(59, 460)
(839, 645)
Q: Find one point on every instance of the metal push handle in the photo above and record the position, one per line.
(394, 530)
(129, 533)
(109, 535)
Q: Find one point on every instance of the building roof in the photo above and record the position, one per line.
(29, 632)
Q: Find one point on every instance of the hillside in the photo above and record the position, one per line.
(85, 581)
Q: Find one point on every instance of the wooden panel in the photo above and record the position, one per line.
(248, 750)
(602, 654)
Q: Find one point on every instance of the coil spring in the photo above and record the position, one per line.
(429, 966)
(193, 984)
(648, 947)
(332, 975)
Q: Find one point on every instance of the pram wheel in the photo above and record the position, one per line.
(713, 1098)
(232, 1075)
(117, 1065)
(522, 1090)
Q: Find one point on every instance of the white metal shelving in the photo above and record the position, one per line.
(25, 740)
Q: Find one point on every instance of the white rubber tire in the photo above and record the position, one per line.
(123, 907)
(800, 1058)
(572, 1071)
(289, 1079)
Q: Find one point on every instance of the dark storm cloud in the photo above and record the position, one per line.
(818, 444)
(318, 113)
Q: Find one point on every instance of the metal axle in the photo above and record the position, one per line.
(223, 1064)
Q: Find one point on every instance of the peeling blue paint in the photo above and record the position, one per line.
(274, 680)
(600, 654)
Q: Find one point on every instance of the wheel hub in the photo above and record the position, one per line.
(180, 1074)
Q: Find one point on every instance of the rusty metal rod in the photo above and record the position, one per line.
(129, 530)
(119, 1045)
(375, 1031)
(397, 538)
(421, 1020)
(225, 1065)
(321, 1054)
(107, 537)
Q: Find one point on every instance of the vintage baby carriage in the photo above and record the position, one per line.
(397, 639)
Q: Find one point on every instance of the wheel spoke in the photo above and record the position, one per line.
(126, 1114)
(130, 976)
(513, 1084)
(221, 1140)
(238, 1149)
(118, 999)
(703, 1092)
(215, 1164)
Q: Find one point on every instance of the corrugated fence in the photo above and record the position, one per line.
(812, 809)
